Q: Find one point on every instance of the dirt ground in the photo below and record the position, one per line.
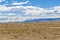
(30, 31)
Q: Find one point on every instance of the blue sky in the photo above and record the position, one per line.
(29, 9)
(40, 3)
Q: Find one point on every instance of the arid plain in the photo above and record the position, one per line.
(30, 31)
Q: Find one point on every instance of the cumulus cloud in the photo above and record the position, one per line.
(4, 8)
(29, 13)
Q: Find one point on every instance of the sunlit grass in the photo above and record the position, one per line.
(30, 31)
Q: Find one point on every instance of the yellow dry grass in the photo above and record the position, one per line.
(30, 31)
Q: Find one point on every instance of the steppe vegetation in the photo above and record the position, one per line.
(30, 31)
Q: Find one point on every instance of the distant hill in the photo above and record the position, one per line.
(43, 20)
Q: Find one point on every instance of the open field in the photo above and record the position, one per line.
(30, 31)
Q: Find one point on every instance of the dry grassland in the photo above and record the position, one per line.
(30, 31)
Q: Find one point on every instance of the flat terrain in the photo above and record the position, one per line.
(30, 31)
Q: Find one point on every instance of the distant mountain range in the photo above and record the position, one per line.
(43, 20)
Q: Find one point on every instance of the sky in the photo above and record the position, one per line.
(21, 10)
(40, 3)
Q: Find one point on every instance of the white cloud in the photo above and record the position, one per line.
(4, 8)
(11, 14)
(20, 3)
(30, 12)
(2, 0)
